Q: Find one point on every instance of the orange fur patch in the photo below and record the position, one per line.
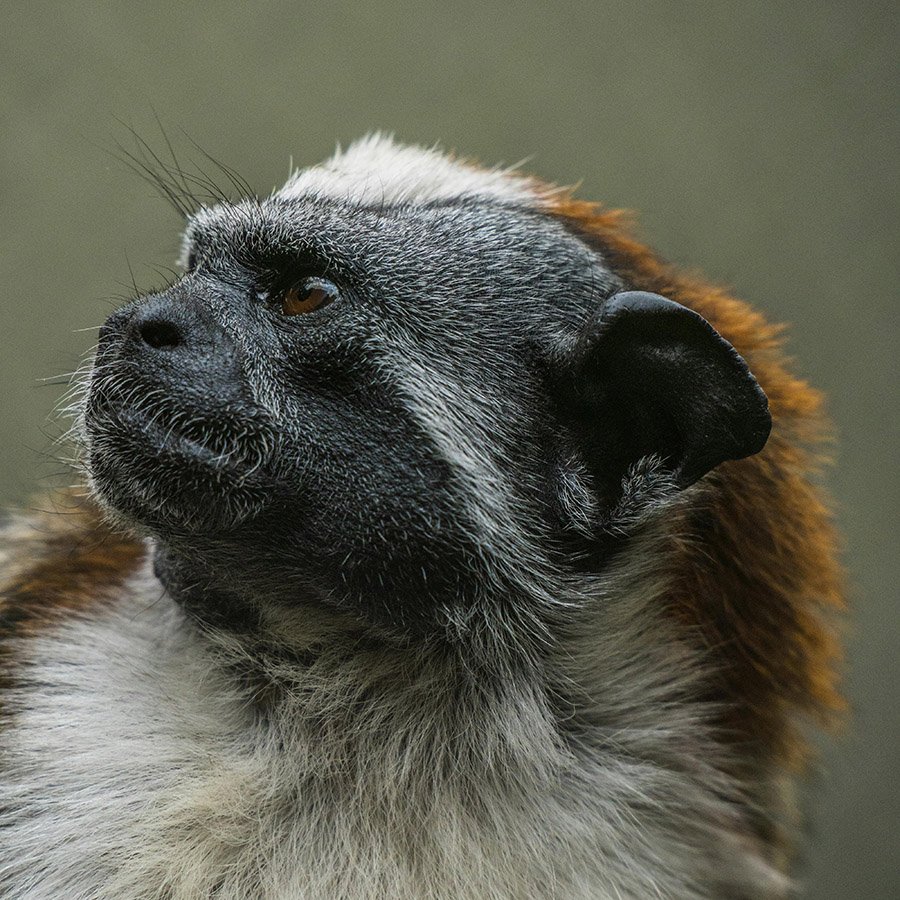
(755, 566)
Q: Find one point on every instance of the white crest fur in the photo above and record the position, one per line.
(377, 171)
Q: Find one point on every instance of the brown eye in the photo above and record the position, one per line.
(308, 296)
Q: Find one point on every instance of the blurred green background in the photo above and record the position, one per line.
(757, 139)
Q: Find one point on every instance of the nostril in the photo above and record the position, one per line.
(160, 334)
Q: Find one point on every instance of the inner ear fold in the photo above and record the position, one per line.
(654, 378)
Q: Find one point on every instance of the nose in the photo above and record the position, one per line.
(170, 328)
(159, 324)
(159, 333)
(173, 340)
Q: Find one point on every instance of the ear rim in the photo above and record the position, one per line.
(738, 430)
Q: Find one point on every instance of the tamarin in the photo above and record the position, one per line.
(434, 545)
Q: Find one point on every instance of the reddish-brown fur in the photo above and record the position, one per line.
(63, 561)
(755, 568)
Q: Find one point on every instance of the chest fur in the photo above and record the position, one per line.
(135, 768)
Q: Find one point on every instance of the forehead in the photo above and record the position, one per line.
(380, 208)
(495, 247)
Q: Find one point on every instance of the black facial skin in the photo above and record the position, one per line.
(395, 454)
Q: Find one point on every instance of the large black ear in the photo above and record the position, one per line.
(656, 378)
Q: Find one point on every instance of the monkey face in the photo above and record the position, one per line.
(397, 409)
(349, 398)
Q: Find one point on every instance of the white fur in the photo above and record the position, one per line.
(377, 171)
(464, 424)
(136, 767)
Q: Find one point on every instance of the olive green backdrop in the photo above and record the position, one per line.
(755, 138)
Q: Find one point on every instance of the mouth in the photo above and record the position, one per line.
(191, 441)
(158, 460)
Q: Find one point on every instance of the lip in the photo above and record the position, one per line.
(158, 469)
(165, 435)
(223, 442)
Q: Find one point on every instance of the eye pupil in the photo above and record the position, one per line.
(307, 297)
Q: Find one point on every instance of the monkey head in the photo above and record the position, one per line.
(403, 390)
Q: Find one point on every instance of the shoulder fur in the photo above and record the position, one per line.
(756, 569)
(55, 564)
(59, 561)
